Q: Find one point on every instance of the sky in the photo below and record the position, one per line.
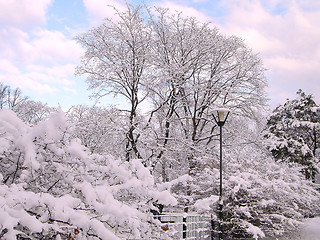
(39, 55)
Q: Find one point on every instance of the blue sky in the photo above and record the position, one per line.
(38, 53)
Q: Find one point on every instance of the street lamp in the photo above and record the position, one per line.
(220, 116)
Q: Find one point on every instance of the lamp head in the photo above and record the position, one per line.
(220, 116)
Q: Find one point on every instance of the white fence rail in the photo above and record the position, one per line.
(186, 226)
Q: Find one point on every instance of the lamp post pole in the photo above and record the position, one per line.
(220, 162)
(220, 207)
(220, 119)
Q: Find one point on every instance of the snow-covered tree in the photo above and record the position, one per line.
(197, 69)
(117, 62)
(33, 112)
(3, 95)
(185, 68)
(27, 110)
(52, 187)
(293, 133)
(10, 98)
(100, 129)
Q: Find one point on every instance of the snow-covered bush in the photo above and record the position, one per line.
(51, 186)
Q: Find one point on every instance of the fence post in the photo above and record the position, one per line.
(184, 220)
(184, 227)
(212, 228)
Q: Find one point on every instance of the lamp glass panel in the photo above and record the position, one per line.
(221, 115)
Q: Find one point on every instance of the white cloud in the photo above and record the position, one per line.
(71, 90)
(40, 61)
(7, 67)
(185, 10)
(42, 45)
(53, 46)
(309, 4)
(287, 37)
(47, 78)
(100, 9)
(57, 70)
(200, 1)
(292, 64)
(260, 42)
(23, 12)
(12, 41)
(24, 82)
(40, 79)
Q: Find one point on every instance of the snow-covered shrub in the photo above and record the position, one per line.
(51, 186)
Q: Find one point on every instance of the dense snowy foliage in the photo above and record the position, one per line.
(262, 198)
(262, 195)
(51, 185)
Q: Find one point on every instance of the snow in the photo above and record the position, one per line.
(311, 229)
(112, 198)
(165, 197)
(266, 203)
(70, 188)
(13, 129)
(181, 179)
(142, 172)
(255, 231)
(10, 122)
(205, 204)
(101, 230)
(76, 149)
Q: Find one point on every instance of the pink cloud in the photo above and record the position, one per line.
(22, 13)
(54, 46)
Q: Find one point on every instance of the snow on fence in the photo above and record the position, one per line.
(186, 226)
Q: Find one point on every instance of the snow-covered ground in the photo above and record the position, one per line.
(310, 230)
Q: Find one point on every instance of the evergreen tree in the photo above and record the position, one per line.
(293, 131)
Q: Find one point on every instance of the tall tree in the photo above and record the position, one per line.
(293, 133)
(184, 67)
(15, 98)
(116, 61)
(197, 70)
